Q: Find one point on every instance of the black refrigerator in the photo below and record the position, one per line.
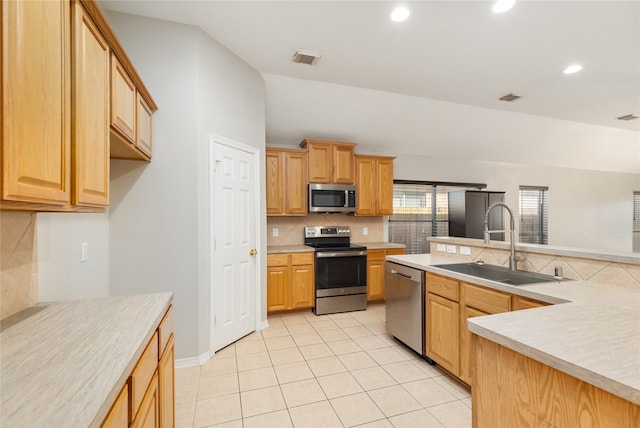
(466, 214)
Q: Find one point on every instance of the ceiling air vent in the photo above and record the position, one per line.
(305, 57)
(510, 97)
(628, 117)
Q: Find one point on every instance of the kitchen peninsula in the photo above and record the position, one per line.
(571, 363)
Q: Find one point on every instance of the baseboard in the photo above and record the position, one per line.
(264, 324)
(182, 363)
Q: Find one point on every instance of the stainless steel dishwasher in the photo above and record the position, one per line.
(405, 308)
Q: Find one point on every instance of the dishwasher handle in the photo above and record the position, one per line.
(404, 275)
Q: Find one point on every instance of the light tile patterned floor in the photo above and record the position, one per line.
(338, 370)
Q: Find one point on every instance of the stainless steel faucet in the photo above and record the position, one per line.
(512, 226)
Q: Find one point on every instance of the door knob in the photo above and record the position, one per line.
(253, 252)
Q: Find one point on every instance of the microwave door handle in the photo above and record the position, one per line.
(346, 199)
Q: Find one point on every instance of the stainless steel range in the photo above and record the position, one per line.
(340, 270)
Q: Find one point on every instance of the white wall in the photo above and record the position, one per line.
(587, 209)
(61, 274)
(159, 211)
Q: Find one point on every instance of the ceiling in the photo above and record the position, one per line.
(455, 51)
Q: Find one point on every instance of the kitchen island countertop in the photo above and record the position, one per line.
(592, 332)
(62, 364)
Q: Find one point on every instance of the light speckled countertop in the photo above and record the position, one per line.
(300, 248)
(592, 332)
(62, 364)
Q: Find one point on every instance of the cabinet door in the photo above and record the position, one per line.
(123, 102)
(275, 183)
(302, 287)
(143, 125)
(148, 415)
(344, 167)
(118, 416)
(520, 303)
(366, 183)
(277, 288)
(90, 112)
(443, 332)
(320, 163)
(295, 193)
(384, 186)
(465, 342)
(36, 101)
(375, 280)
(166, 390)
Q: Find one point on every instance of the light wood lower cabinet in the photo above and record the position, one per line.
(376, 272)
(147, 400)
(520, 303)
(443, 332)
(290, 281)
(513, 390)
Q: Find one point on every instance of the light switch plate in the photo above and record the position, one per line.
(275, 232)
(441, 247)
(465, 251)
(451, 249)
(84, 251)
(365, 230)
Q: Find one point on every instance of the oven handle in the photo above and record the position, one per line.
(325, 254)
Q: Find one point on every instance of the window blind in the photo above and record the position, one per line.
(420, 210)
(636, 222)
(534, 215)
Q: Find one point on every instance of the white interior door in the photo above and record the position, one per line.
(234, 279)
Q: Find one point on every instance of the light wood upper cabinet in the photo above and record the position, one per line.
(90, 112)
(143, 125)
(374, 180)
(330, 162)
(36, 102)
(286, 184)
(123, 102)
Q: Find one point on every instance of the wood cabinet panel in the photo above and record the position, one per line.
(166, 386)
(143, 125)
(275, 182)
(302, 258)
(466, 356)
(330, 161)
(520, 303)
(395, 251)
(366, 184)
(344, 167)
(277, 260)
(295, 188)
(443, 332)
(90, 112)
(302, 286)
(376, 255)
(123, 102)
(375, 280)
(384, 189)
(143, 373)
(165, 330)
(442, 286)
(118, 416)
(36, 101)
(484, 299)
(277, 288)
(148, 414)
(320, 163)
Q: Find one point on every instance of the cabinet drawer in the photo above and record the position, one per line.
(376, 255)
(143, 373)
(165, 330)
(301, 259)
(520, 303)
(487, 300)
(277, 259)
(442, 286)
(395, 251)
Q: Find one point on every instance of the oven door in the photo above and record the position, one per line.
(340, 273)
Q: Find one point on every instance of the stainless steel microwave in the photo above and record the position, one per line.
(332, 198)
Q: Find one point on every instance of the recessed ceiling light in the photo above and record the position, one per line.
(572, 69)
(628, 117)
(502, 5)
(400, 14)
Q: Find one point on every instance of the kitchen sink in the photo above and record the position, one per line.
(499, 274)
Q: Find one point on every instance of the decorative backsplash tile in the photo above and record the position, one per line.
(597, 271)
(291, 229)
(18, 262)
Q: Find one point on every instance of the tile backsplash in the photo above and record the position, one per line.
(18, 262)
(291, 229)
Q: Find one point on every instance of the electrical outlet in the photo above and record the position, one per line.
(365, 230)
(451, 249)
(465, 251)
(441, 247)
(275, 232)
(84, 251)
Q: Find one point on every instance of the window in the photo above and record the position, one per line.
(534, 215)
(420, 210)
(636, 222)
